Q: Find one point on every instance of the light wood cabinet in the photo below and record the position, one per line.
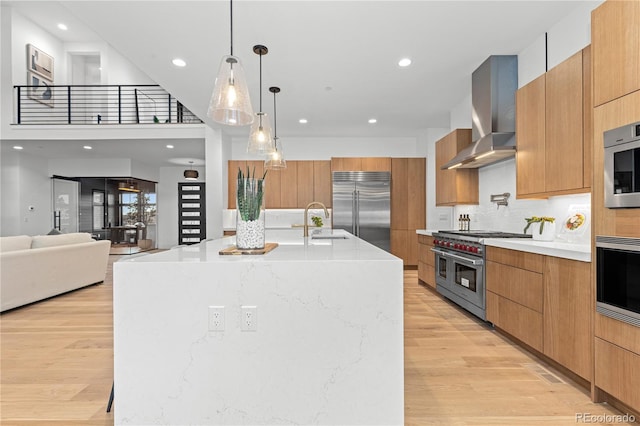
(304, 183)
(289, 186)
(615, 35)
(408, 206)
(530, 137)
(567, 314)
(294, 187)
(515, 294)
(553, 148)
(617, 372)
(455, 186)
(543, 301)
(367, 164)
(426, 261)
(322, 184)
(563, 126)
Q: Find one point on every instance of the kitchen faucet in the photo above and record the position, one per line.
(306, 215)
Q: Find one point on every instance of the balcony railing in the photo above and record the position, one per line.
(104, 104)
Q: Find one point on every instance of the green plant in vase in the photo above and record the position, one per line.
(249, 199)
(317, 221)
(250, 194)
(538, 219)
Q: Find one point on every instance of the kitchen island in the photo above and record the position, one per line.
(327, 349)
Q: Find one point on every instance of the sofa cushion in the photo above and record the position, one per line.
(40, 241)
(19, 242)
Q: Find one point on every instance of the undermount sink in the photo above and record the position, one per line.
(329, 234)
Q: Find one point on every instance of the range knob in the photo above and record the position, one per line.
(456, 246)
(435, 242)
(474, 249)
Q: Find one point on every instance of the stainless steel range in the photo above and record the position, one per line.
(460, 258)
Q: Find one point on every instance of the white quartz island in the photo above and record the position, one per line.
(328, 348)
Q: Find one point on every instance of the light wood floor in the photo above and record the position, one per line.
(57, 366)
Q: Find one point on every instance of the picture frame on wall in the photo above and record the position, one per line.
(39, 62)
(39, 89)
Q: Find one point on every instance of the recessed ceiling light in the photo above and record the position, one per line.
(404, 62)
(372, 121)
(18, 147)
(87, 147)
(179, 62)
(63, 27)
(303, 121)
(170, 146)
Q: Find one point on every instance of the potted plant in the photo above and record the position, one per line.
(250, 211)
(543, 228)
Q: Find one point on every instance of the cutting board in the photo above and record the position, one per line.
(233, 250)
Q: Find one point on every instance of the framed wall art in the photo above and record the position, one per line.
(39, 62)
(39, 89)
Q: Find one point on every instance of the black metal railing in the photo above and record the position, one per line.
(103, 104)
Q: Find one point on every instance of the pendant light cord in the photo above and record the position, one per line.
(275, 123)
(231, 26)
(260, 82)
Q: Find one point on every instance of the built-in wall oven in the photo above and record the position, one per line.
(622, 166)
(618, 278)
(460, 259)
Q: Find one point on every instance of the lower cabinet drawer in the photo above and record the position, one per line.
(519, 285)
(521, 322)
(618, 372)
(427, 273)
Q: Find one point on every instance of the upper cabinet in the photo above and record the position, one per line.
(553, 118)
(615, 37)
(294, 187)
(367, 164)
(455, 186)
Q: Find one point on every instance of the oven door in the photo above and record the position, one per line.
(468, 279)
(618, 287)
(462, 275)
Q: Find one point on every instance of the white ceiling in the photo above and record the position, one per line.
(335, 61)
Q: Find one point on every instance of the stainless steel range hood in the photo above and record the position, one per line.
(493, 99)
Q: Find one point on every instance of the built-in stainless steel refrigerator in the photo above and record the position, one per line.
(362, 205)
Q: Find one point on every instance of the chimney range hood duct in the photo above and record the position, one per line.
(493, 99)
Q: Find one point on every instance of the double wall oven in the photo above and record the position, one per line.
(459, 265)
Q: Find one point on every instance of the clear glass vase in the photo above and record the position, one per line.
(250, 214)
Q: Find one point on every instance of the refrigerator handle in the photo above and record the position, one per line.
(357, 213)
(353, 213)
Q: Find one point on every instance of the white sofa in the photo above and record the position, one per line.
(35, 268)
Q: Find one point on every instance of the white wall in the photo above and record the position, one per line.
(437, 217)
(325, 148)
(25, 183)
(569, 35)
(103, 167)
(216, 154)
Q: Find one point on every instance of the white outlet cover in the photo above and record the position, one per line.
(249, 318)
(216, 318)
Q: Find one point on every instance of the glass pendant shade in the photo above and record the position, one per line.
(260, 140)
(275, 160)
(230, 103)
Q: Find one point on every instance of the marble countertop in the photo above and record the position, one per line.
(563, 249)
(580, 252)
(292, 246)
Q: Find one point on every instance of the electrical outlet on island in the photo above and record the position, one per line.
(249, 320)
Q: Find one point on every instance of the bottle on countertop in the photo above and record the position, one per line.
(467, 222)
(460, 223)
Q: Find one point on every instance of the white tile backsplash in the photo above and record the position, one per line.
(501, 177)
(278, 218)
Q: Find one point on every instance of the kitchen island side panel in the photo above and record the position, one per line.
(328, 347)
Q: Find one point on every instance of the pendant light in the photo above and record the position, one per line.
(230, 103)
(191, 174)
(260, 141)
(275, 160)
